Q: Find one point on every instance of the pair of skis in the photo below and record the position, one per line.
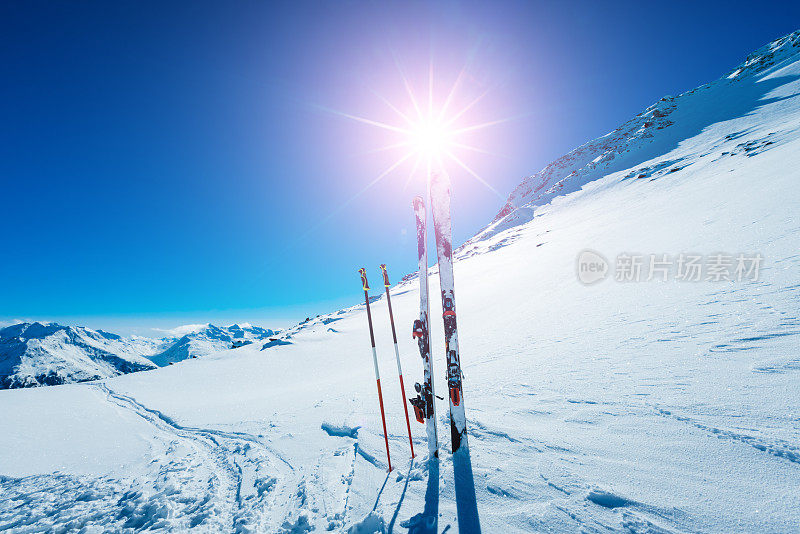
(424, 406)
(464, 483)
(424, 403)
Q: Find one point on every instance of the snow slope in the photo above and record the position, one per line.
(656, 131)
(657, 406)
(36, 354)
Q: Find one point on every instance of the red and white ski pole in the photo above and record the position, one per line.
(363, 273)
(397, 354)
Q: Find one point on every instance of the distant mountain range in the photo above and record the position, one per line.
(208, 339)
(44, 354)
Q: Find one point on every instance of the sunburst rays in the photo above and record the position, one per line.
(428, 135)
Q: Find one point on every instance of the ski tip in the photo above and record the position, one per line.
(439, 177)
(418, 201)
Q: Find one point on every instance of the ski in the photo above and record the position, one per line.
(440, 209)
(424, 406)
(466, 500)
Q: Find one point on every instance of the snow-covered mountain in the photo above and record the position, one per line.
(633, 407)
(45, 354)
(202, 340)
(660, 129)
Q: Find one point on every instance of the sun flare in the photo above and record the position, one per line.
(434, 134)
(431, 139)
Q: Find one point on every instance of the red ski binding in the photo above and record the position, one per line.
(418, 413)
(455, 396)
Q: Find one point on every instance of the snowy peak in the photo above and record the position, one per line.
(36, 354)
(249, 332)
(591, 160)
(656, 131)
(209, 339)
(40, 354)
(774, 53)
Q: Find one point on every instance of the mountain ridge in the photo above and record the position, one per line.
(40, 354)
(36, 353)
(635, 141)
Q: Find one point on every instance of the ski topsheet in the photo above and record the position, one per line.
(424, 405)
(440, 208)
(466, 501)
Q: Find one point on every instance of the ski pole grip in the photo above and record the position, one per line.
(363, 272)
(385, 275)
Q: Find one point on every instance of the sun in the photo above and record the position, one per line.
(431, 138)
(433, 133)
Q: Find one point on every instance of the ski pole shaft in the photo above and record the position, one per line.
(363, 273)
(397, 355)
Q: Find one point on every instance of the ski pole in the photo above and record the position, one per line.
(397, 354)
(363, 273)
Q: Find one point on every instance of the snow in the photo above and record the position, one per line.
(197, 341)
(101, 438)
(33, 354)
(37, 354)
(698, 115)
(658, 406)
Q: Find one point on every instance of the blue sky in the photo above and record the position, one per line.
(169, 163)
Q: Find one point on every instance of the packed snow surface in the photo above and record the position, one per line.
(650, 406)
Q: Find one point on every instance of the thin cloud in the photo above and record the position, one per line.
(181, 330)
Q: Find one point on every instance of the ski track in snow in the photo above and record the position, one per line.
(777, 448)
(238, 459)
(206, 480)
(202, 479)
(296, 499)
